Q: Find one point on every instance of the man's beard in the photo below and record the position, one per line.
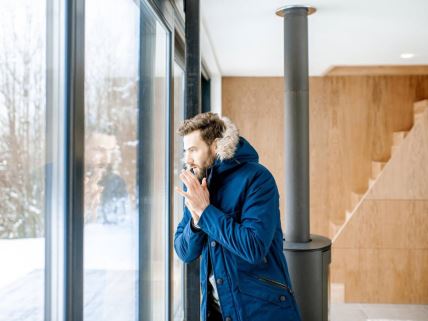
(201, 173)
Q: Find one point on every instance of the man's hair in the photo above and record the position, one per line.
(209, 124)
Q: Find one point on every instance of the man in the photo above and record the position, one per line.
(114, 199)
(232, 221)
(106, 193)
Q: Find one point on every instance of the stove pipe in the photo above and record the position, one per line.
(308, 256)
(296, 126)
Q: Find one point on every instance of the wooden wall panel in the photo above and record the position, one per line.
(351, 123)
(382, 276)
(254, 105)
(392, 221)
(387, 224)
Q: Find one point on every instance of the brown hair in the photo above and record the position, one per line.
(210, 125)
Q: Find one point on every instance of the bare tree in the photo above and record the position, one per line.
(22, 110)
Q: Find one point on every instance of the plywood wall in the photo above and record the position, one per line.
(384, 245)
(351, 123)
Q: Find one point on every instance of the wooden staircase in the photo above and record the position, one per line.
(377, 167)
(360, 202)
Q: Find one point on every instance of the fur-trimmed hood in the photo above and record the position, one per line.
(227, 145)
(234, 148)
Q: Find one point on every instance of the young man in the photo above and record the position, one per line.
(232, 221)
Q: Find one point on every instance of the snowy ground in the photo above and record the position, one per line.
(19, 257)
(111, 280)
(108, 247)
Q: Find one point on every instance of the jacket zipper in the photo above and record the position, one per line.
(275, 283)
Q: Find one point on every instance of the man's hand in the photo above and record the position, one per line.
(197, 197)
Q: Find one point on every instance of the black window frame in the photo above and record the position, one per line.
(74, 158)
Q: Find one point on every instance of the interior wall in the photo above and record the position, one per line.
(352, 119)
(384, 244)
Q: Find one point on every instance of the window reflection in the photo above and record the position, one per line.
(111, 106)
(22, 159)
(126, 95)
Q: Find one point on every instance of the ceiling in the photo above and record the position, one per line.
(246, 37)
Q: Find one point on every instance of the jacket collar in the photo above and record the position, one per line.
(227, 145)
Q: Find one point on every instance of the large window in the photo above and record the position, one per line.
(126, 72)
(22, 158)
(31, 160)
(110, 211)
(126, 160)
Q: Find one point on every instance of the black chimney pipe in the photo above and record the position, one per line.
(296, 125)
(308, 256)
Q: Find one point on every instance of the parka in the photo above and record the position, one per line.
(240, 232)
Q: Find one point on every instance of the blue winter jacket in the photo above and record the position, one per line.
(241, 234)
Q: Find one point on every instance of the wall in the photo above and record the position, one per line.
(384, 244)
(351, 123)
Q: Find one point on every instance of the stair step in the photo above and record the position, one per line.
(416, 117)
(355, 199)
(337, 292)
(418, 109)
(394, 148)
(371, 182)
(377, 168)
(420, 106)
(334, 228)
(398, 137)
(348, 215)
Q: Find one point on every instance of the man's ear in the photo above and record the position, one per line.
(214, 145)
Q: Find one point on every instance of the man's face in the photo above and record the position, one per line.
(198, 156)
(99, 150)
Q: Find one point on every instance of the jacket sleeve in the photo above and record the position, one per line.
(188, 242)
(251, 238)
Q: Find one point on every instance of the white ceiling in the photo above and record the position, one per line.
(246, 37)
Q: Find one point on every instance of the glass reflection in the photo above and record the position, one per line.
(126, 95)
(111, 106)
(22, 159)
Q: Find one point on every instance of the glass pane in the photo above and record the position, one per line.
(22, 159)
(126, 67)
(110, 233)
(178, 266)
(154, 167)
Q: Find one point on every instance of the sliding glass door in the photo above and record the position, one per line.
(126, 183)
(85, 188)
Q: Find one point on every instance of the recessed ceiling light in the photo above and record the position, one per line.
(407, 55)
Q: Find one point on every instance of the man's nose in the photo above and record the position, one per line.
(188, 160)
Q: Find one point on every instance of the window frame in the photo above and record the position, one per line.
(74, 156)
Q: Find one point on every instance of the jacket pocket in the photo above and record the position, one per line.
(264, 300)
(275, 283)
(265, 289)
